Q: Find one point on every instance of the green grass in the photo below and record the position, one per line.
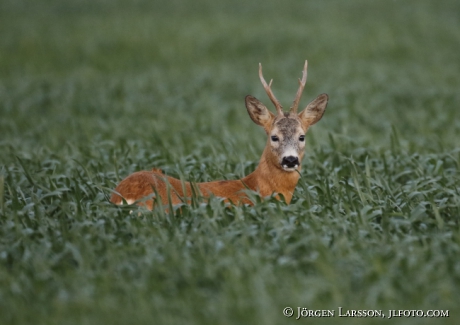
(91, 91)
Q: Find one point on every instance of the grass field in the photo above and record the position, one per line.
(91, 91)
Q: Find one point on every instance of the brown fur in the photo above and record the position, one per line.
(264, 180)
(269, 178)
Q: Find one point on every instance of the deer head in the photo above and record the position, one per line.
(286, 130)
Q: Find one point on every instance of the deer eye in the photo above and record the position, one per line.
(275, 138)
(302, 138)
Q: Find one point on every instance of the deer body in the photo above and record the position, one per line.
(277, 172)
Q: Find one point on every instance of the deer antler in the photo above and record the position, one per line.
(302, 82)
(270, 94)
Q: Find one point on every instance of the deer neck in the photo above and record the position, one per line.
(269, 178)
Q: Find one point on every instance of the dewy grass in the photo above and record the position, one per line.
(93, 91)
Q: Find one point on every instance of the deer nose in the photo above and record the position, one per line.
(290, 161)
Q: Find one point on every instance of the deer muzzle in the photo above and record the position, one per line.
(290, 162)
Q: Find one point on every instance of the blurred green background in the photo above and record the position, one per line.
(91, 91)
(80, 70)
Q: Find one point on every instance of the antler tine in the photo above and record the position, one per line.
(269, 92)
(302, 82)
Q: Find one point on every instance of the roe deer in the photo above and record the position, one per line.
(277, 172)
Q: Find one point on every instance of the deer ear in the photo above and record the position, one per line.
(259, 113)
(314, 111)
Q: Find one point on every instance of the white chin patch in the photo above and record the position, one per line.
(290, 169)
